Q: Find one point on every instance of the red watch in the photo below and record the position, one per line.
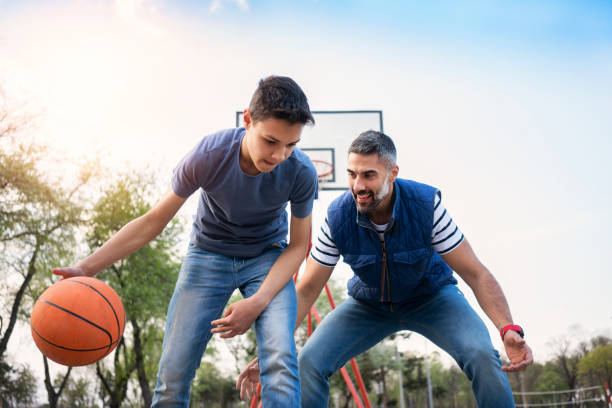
(513, 327)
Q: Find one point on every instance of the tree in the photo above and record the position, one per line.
(38, 214)
(567, 360)
(54, 391)
(597, 365)
(17, 386)
(77, 394)
(459, 389)
(144, 280)
(382, 360)
(243, 348)
(212, 389)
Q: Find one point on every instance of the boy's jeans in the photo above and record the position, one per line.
(445, 318)
(205, 283)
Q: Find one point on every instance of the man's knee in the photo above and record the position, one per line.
(480, 359)
(305, 363)
(309, 364)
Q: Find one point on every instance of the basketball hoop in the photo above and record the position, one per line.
(324, 169)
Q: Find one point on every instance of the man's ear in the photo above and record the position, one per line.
(246, 117)
(394, 171)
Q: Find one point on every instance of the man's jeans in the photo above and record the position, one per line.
(205, 283)
(445, 318)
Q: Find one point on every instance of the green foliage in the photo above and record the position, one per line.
(597, 365)
(17, 386)
(39, 215)
(323, 307)
(212, 389)
(77, 394)
(144, 280)
(242, 348)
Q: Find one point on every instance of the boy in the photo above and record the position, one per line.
(246, 176)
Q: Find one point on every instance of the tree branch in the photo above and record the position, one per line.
(18, 297)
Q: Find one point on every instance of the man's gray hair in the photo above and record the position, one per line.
(370, 142)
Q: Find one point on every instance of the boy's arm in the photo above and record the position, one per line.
(308, 289)
(133, 236)
(240, 315)
(491, 298)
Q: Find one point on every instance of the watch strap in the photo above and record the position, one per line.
(513, 327)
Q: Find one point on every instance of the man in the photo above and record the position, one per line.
(402, 246)
(245, 176)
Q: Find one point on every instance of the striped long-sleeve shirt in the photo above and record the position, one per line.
(445, 236)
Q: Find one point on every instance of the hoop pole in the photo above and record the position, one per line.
(351, 387)
(356, 371)
(315, 314)
(255, 399)
(347, 378)
(330, 297)
(309, 331)
(360, 383)
(353, 362)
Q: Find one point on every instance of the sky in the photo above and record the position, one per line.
(504, 106)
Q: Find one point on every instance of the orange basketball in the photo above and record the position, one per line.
(77, 321)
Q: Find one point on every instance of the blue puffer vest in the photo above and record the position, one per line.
(405, 266)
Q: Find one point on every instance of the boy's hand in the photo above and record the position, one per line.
(71, 272)
(248, 380)
(238, 317)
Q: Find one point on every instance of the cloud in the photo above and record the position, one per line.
(218, 4)
(141, 14)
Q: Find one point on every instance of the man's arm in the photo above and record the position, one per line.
(491, 298)
(240, 315)
(310, 286)
(133, 236)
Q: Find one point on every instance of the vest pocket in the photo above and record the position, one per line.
(411, 257)
(410, 266)
(363, 266)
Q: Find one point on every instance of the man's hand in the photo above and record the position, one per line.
(238, 317)
(248, 380)
(518, 352)
(71, 272)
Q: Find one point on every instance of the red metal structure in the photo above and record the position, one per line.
(347, 379)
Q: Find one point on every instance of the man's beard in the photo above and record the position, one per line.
(367, 208)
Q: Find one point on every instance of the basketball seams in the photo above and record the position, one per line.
(69, 325)
(110, 337)
(105, 299)
(67, 348)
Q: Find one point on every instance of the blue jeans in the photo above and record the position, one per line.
(205, 283)
(445, 318)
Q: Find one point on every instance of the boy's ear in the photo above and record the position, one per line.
(246, 117)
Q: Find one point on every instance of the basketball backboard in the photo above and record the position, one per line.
(327, 142)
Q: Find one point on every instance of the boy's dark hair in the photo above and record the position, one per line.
(370, 142)
(281, 98)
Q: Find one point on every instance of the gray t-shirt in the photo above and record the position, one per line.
(239, 214)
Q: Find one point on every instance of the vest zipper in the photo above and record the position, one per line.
(385, 276)
(384, 273)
